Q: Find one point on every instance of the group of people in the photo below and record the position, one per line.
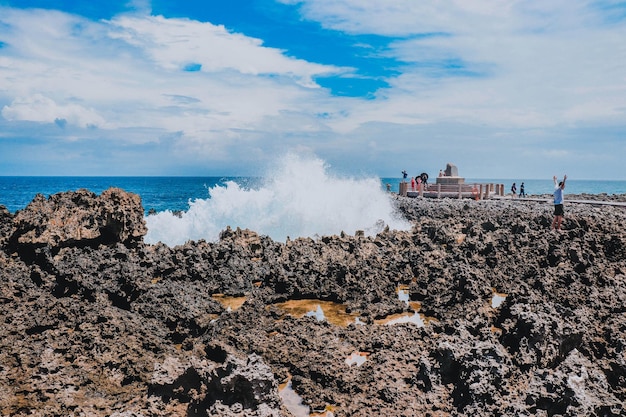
(418, 182)
(522, 193)
(559, 186)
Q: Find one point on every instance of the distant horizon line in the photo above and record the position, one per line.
(257, 176)
(516, 179)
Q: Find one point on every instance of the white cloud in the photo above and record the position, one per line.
(410, 17)
(38, 108)
(521, 63)
(130, 69)
(528, 72)
(175, 43)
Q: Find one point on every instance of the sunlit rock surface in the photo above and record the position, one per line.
(95, 322)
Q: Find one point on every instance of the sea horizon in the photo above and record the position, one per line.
(398, 177)
(159, 193)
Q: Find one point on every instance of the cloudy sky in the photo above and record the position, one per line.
(503, 89)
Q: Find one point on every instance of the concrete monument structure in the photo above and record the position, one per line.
(451, 175)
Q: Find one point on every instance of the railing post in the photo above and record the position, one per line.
(403, 188)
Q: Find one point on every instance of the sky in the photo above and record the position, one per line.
(502, 89)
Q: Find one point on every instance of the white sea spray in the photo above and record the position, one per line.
(298, 198)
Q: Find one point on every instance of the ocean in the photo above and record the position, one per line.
(298, 198)
(301, 198)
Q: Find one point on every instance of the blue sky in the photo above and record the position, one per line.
(514, 89)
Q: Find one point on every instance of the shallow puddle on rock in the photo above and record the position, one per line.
(415, 318)
(292, 401)
(229, 303)
(497, 298)
(357, 358)
(334, 313)
(407, 317)
(404, 295)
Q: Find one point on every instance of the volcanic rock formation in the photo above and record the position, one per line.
(501, 316)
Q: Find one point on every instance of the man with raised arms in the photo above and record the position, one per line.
(558, 203)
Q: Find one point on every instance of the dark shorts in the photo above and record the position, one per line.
(558, 210)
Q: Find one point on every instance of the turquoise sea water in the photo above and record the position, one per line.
(175, 193)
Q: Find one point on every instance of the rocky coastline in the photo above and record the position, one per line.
(494, 314)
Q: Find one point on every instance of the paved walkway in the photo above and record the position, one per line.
(567, 201)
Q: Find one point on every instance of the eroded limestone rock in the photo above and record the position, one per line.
(95, 322)
(80, 217)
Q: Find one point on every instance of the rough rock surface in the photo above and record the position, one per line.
(80, 217)
(97, 323)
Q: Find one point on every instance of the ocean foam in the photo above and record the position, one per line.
(299, 198)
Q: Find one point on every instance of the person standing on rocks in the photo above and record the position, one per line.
(522, 193)
(558, 203)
